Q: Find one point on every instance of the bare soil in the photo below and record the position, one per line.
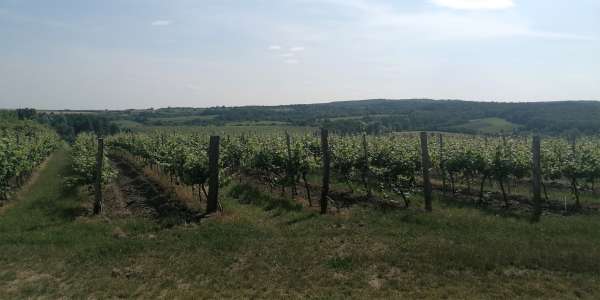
(135, 194)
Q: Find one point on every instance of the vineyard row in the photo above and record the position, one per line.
(384, 164)
(23, 146)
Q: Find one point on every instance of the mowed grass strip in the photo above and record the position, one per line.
(51, 248)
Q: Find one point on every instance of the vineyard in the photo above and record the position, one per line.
(23, 146)
(181, 205)
(382, 169)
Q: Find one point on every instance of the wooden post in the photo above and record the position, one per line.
(98, 203)
(574, 187)
(365, 170)
(213, 173)
(536, 179)
(442, 163)
(426, 164)
(291, 180)
(325, 155)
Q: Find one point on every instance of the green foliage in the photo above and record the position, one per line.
(70, 124)
(23, 146)
(392, 163)
(84, 153)
(181, 156)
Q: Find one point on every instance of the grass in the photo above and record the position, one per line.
(488, 126)
(51, 249)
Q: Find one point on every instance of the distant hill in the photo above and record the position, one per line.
(383, 115)
(380, 115)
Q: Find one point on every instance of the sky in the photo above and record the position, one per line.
(117, 54)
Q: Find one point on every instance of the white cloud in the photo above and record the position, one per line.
(274, 47)
(475, 4)
(291, 61)
(297, 49)
(382, 22)
(162, 23)
(289, 54)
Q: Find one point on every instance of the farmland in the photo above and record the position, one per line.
(273, 233)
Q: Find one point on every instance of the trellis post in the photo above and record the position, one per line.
(98, 203)
(213, 173)
(326, 164)
(426, 165)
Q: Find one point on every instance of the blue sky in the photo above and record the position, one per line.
(82, 54)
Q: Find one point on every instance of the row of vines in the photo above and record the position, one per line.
(84, 154)
(23, 146)
(384, 164)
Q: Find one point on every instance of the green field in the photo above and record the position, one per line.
(375, 116)
(488, 126)
(258, 123)
(51, 248)
(182, 119)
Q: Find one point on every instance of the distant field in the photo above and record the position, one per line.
(359, 117)
(182, 119)
(257, 123)
(488, 126)
(257, 129)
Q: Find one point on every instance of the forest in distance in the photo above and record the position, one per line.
(380, 116)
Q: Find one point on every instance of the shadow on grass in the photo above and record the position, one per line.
(53, 195)
(487, 208)
(67, 212)
(301, 219)
(248, 194)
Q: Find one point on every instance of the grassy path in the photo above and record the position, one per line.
(48, 249)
